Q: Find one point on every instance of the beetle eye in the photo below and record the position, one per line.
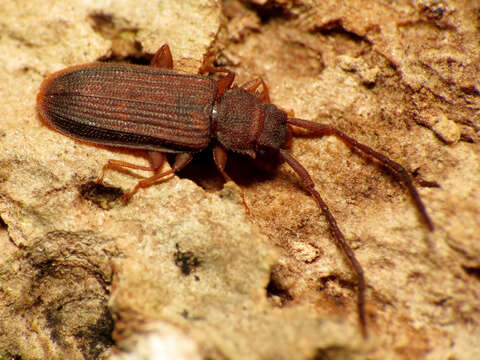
(262, 152)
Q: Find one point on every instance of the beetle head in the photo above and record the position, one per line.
(275, 133)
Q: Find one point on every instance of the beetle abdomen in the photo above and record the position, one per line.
(130, 106)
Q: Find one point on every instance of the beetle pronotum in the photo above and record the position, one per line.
(156, 109)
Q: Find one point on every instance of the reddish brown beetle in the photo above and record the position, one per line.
(161, 111)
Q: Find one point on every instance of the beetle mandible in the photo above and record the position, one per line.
(156, 109)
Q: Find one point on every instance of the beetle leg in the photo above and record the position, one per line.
(163, 58)
(157, 159)
(224, 83)
(252, 85)
(118, 165)
(220, 157)
(309, 186)
(317, 129)
(181, 160)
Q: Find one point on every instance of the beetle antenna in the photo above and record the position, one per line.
(317, 129)
(309, 186)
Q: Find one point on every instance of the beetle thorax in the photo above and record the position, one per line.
(241, 122)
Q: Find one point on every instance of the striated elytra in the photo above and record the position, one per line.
(130, 106)
(156, 109)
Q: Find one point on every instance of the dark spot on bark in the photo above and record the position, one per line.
(472, 271)
(335, 28)
(3, 224)
(101, 20)
(54, 324)
(329, 353)
(6, 355)
(274, 288)
(185, 260)
(101, 195)
(94, 339)
(270, 11)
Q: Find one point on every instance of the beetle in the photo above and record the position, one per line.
(157, 110)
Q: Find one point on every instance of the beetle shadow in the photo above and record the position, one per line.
(243, 170)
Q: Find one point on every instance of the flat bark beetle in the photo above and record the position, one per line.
(156, 109)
